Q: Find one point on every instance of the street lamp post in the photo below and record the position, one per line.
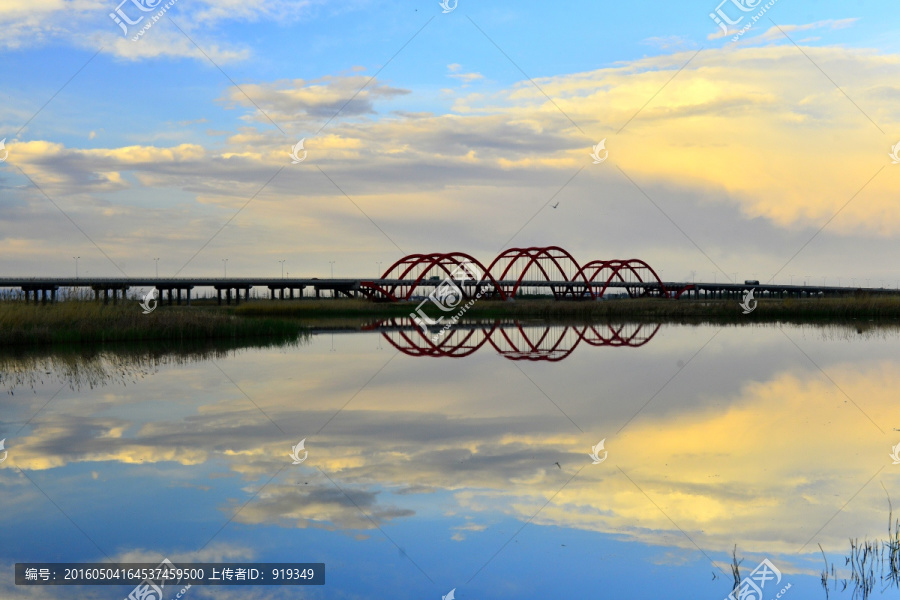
(378, 262)
(225, 267)
(332, 268)
(156, 260)
(76, 265)
(282, 268)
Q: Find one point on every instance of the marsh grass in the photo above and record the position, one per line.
(80, 366)
(871, 562)
(76, 322)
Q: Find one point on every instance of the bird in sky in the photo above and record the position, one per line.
(555, 205)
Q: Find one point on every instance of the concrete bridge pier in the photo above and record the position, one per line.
(276, 291)
(46, 292)
(115, 289)
(228, 293)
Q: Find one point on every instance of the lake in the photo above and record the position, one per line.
(505, 460)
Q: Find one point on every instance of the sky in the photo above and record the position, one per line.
(759, 154)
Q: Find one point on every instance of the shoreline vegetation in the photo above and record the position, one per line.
(81, 322)
(85, 322)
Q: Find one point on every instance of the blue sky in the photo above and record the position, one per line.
(750, 147)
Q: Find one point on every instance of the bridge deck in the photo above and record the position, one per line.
(356, 284)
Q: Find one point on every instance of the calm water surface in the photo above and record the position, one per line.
(466, 466)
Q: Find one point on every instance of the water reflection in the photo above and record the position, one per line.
(473, 471)
(510, 339)
(90, 366)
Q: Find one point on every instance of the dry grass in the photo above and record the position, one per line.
(79, 322)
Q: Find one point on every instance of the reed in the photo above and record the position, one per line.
(74, 322)
(870, 562)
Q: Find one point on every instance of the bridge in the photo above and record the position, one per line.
(516, 272)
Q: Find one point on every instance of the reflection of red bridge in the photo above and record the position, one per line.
(512, 339)
(517, 269)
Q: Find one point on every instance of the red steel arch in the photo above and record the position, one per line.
(402, 280)
(416, 268)
(550, 264)
(624, 271)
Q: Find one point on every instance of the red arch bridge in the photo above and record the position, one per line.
(515, 272)
(510, 339)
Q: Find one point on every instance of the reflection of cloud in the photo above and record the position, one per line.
(719, 466)
(762, 472)
(469, 526)
(321, 506)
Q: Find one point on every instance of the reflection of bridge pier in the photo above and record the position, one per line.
(510, 338)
